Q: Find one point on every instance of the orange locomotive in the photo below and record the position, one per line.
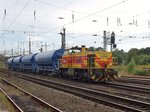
(80, 63)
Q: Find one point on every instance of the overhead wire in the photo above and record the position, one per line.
(79, 18)
(37, 17)
(119, 22)
(19, 14)
(99, 11)
(54, 6)
(61, 7)
(67, 9)
(13, 5)
(88, 15)
(16, 17)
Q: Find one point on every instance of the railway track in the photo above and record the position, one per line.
(116, 89)
(135, 80)
(24, 101)
(128, 87)
(96, 96)
(112, 85)
(133, 76)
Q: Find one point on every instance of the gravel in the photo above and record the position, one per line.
(64, 101)
(98, 86)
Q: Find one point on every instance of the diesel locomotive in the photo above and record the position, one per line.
(77, 62)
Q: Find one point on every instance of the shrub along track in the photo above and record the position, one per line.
(94, 95)
(24, 101)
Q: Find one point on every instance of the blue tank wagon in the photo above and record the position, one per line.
(28, 63)
(10, 63)
(17, 63)
(47, 62)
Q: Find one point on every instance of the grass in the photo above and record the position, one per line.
(131, 67)
(142, 72)
(2, 65)
(137, 70)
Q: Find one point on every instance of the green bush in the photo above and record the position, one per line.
(131, 66)
(142, 72)
(121, 68)
(139, 72)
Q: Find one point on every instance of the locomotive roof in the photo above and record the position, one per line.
(75, 48)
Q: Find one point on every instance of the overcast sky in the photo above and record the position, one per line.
(43, 20)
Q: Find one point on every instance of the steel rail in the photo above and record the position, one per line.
(138, 77)
(134, 88)
(18, 109)
(110, 103)
(134, 80)
(68, 88)
(42, 102)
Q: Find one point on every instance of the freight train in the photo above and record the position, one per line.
(77, 63)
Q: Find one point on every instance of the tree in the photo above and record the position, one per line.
(132, 53)
(91, 48)
(131, 66)
(3, 60)
(99, 48)
(145, 51)
(143, 59)
(121, 55)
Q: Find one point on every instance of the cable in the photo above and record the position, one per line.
(43, 15)
(47, 13)
(64, 8)
(87, 16)
(13, 5)
(18, 14)
(139, 14)
(9, 10)
(60, 7)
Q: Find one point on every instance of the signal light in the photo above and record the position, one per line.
(112, 38)
(114, 46)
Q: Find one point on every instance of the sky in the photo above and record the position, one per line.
(43, 20)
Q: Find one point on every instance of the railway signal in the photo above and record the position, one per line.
(112, 39)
